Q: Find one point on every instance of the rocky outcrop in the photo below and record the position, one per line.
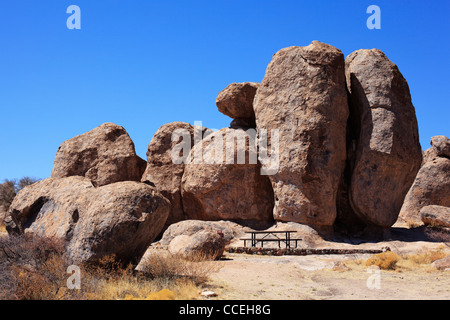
(236, 101)
(383, 141)
(431, 186)
(303, 96)
(104, 155)
(119, 219)
(436, 216)
(441, 144)
(165, 169)
(227, 184)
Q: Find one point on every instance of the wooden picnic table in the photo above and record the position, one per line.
(271, 236)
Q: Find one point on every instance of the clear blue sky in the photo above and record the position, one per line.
(143, 63)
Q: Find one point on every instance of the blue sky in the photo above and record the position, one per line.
(144, 63)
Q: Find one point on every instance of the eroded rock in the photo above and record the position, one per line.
(104, 155)
(303, 96)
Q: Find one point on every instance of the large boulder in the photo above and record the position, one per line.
(119, 219)
(203, 244)
(431, 186)
(226, 184)
(442, 146)
(236, 101)
(162, 170)
(105, 155)
(303, 96)
(386, 153)
(436, 216)
(228, 229)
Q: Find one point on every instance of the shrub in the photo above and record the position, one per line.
(385, 261)
(31, 268)
(34, 268)
(426, 256)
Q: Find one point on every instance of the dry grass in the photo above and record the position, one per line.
(33, 268)
(423, 258)
(167, 267)
(385, 261)
(420, 260)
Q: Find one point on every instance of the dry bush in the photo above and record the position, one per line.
(385, 261)
(35, 268)
(165, 266)
(423, 257)
(31, 268)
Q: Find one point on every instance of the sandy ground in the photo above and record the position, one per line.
(312, 277)
(253, 277)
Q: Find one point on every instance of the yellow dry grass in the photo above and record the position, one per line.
(164, 277)
(421, 259)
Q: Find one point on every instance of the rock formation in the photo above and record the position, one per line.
(226, 184)
(120, 219)
(230, 230)
(343, 134)
(303, 95)
(385, 152)
(161, 169)
(441, 144)
(431, 186)
(236, 101)
(203, 244)
(436, 216)
(105, 155)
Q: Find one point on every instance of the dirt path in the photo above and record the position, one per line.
(312, 277)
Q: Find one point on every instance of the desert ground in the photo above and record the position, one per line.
(341, 277)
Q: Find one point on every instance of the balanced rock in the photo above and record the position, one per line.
(384, 137)
(303, 96)
(440, 147)
(431, 187)
(441, 144)
(223, 181)
(119, 219)
(104, 155)
(236, 101)
(437, 216)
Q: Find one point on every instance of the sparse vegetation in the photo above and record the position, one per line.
(35, 268)
(421, 259)
(385, 261)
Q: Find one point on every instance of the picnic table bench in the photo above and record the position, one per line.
(271, 236)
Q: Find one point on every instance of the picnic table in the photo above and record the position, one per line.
(271, 236)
